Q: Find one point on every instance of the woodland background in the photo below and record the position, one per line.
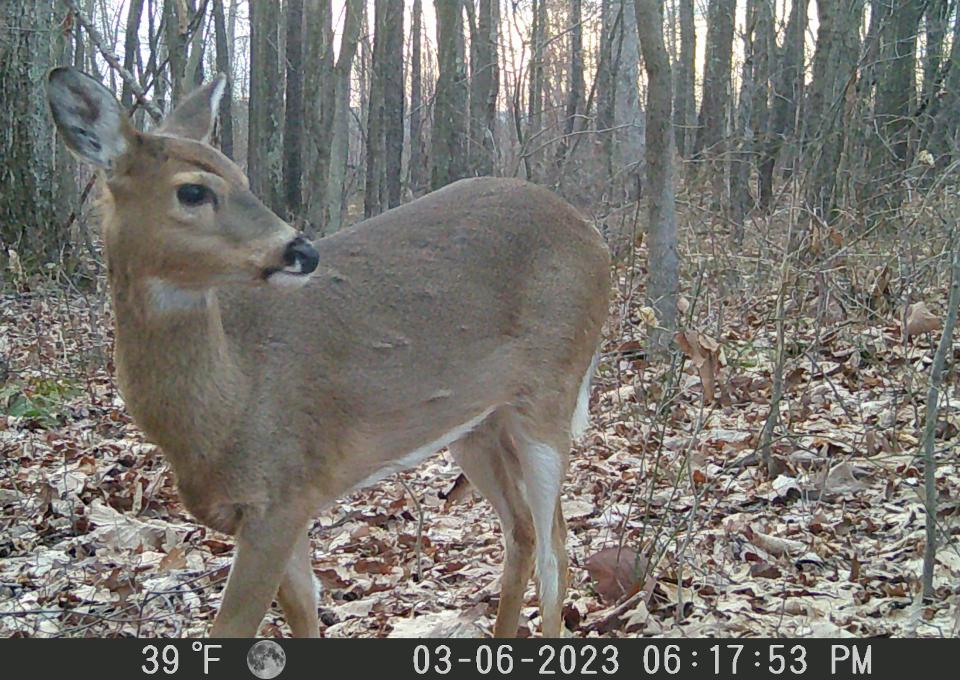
(773, 449)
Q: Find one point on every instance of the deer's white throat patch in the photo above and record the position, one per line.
(165, 297)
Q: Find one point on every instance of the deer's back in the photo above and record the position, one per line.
(462, 297)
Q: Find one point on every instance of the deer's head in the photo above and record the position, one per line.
(176, 209)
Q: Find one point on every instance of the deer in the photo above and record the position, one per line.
(276, 374)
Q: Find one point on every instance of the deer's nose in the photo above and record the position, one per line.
(300, 257)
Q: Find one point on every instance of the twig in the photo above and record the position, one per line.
(111, 59)
(930, 426)
(419, 544)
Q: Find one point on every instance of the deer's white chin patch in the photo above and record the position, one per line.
(288, 279)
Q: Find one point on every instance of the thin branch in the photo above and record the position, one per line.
(114, 62)
(930, 426)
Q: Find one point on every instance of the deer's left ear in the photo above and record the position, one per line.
(195, 116)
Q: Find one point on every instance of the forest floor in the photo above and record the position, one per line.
(675, 527)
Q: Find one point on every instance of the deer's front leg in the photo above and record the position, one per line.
(265, 544)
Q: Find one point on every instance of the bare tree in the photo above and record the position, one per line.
(484, 84)
(393, 98)
(450, 116)
(834, 62)
(339, 124)
(618, 108)
(131, 47)
(535, 82)
(575, 84)
(663, 264)
(195, 18)
(945, 109)
(418, 162)
(34, 197)
(787, 95)
(684, 107)
(628, 116)
(374, 196)
(224, 65)
(611, 27)
(895, 104)
(293, 118)
(175, 20)
(714, 105)
(752, 124)
(318, 98)
(264, 143)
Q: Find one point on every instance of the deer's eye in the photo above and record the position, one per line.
(193, 195)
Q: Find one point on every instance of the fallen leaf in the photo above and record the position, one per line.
(703, 353)
(774, 545)
(614, 572)
(920, 320)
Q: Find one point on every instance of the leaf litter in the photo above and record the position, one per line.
(673, 527)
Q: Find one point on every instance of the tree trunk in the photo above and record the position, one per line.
(662, 259)
(418, 160)
(265, 144)
(684, 109)
(788, 87)
(575, 85)
(393, 98)
(835, 58)
(294, 111)
(450, 107)
(174, 15)
(935, 30)
(538, 40)
(193, 72)
(131, 46)
(711, 141)
(740, 197)
(340, 124)
(894, 105)
(33, 206)
(224, 65)
(946, 115)
(373, 195)
(619, 117)
(319, 91)
(629, 119)
(712, 121)
(484, 86)
(611, 27)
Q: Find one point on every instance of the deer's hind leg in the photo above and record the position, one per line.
(543, 460)
(489, 459)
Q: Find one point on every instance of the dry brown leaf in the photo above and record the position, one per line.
(445, 624)
(774, 545)
(703, 353)
(614, 572)
(920, 320)
(175, 559)
(841, 479)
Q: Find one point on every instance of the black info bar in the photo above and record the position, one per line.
(689, 659)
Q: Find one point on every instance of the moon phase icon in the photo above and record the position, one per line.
(266, 659)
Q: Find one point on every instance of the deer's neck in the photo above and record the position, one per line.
(178, 374)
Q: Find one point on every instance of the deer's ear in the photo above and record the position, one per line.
(195, 116)
(88, 116)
